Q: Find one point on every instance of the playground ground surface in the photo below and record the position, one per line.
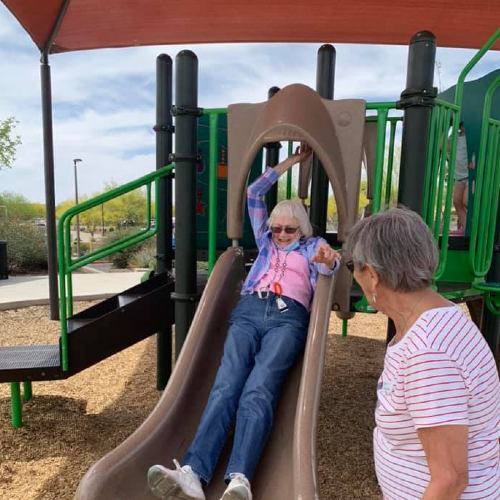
(70, 424)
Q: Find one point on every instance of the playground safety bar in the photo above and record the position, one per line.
(491, 296)
(484, 212)
(439, 175)
(459, 89)
(213, 123)
(382, 118)
(67, 264)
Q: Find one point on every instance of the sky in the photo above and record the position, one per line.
(104, 100)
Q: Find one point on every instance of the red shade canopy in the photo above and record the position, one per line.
(92, 24)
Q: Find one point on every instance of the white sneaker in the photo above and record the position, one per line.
(179, 484)
(238, 488)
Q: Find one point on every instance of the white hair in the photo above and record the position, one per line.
(295, 209)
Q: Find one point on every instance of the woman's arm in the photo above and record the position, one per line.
(445, 448)
(257, 209)
(300, 155)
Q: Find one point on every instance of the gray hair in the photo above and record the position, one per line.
(398, 245)
(295, 209)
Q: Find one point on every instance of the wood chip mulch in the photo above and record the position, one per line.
(70, 424)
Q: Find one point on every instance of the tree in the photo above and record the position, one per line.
(17, 207)
(128, 209)
(8, 142)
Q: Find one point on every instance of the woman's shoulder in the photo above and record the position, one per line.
(439, 329)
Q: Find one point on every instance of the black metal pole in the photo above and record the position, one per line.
(417, 101)
(491, 323)
(325, 80)
(50, 203)
(185, 112)
(272, 159)
(163, 130)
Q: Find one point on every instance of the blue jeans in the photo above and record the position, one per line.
(261, 346)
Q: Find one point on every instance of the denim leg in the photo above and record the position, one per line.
(242, 343)
(281, 344)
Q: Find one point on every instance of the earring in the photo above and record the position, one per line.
(374, 298)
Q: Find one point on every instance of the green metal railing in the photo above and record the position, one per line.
(459, 90)
(440, 172)
(67, 265)
(383, 153)
(484, 212)
(439, 176)
(487, 181)
(390, 158)
(213, 124)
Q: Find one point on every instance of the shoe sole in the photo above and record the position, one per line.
(235, 495)
(166, 488)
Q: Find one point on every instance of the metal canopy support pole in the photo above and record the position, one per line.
(48, 161)
(417, 101)
(272, 159)
(325, 79)
(163, 130)
(50, 203)
(186, 113)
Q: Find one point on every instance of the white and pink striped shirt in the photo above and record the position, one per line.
(442, 372)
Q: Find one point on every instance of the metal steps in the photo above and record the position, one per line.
(95, 333)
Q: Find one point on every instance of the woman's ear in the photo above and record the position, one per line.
(374, 277)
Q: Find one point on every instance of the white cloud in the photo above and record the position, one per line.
(104, 107)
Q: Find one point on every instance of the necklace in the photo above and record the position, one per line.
(279, 269)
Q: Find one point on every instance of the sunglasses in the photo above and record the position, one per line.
(350, 265)
(287, 229)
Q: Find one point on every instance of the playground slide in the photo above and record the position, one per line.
(290, 453)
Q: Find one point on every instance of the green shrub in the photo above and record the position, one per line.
(84, 247)
(26, 246)
(122, 259)
(146, 255)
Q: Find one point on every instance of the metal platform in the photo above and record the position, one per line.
(32, 362)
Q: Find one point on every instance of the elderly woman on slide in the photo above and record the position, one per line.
(438, 410)
(267, 332)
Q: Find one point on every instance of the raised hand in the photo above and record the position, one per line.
(301, 153)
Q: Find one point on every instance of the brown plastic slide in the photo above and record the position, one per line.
(288, 467)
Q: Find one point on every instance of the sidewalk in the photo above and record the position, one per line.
(26, 290)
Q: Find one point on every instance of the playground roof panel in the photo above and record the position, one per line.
(92, 24)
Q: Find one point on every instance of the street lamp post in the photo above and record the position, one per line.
(75, 162)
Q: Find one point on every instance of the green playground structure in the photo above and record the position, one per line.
(469, 265)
